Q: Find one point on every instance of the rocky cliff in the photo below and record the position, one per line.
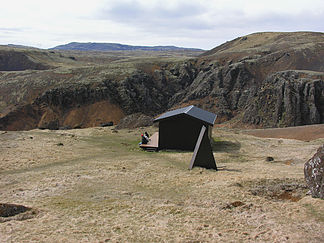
(288, 98)
(263, 79)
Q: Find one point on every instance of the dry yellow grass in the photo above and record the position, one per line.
(93, 185)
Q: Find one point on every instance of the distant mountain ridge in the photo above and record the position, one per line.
(93, 46)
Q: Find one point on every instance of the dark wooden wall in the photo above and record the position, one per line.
(180, 132)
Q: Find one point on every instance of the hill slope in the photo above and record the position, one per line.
(263, 80)
(19, 61)
(266, 79)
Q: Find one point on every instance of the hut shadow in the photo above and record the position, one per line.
(223, 168)
(225, 146)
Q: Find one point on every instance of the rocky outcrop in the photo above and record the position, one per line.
(289, 98)
(314, 173)
(140, 92)
(222, 89)
(260, 80)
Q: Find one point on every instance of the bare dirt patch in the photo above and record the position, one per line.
(303, 133)
(279, 189)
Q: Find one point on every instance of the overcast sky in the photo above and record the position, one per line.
(197, 23)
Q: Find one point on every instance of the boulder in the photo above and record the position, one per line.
(314, 173)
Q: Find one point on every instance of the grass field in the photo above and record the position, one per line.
(96, 185)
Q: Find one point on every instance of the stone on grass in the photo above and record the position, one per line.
(314, 173)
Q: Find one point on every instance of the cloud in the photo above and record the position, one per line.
(217, 20)
(190, 23)
(156, 16)
(11, 29)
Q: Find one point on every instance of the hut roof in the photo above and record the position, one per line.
(192, 111)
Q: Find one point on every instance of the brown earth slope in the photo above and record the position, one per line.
(18, 61)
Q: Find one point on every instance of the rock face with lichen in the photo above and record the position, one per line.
(288, 98)
(314, 173)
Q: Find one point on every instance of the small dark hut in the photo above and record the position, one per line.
(188, 128)
(179, 129)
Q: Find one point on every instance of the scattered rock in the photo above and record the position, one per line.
(289, 162)
(125, 144)
(279, 189)
(65, 128)
(237, 204)
(238, 184)
(107, 124)
(15, 212)
(269, 159)
(233, 205)
(60, 144)
(9, 210)
(314, 173)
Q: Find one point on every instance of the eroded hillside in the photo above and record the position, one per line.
(263, 79)
(233, 77)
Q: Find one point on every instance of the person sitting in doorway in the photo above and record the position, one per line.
(145, 139)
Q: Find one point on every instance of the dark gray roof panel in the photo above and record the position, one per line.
(203, 115)
(173, 113)
(192, 111)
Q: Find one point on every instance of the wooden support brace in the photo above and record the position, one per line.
(203, 154)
